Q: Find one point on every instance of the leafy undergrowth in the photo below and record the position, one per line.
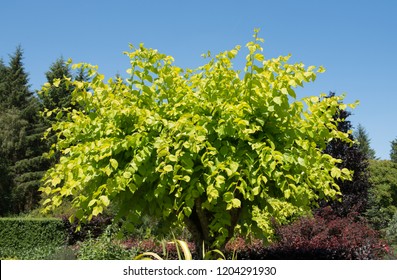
(322, 237)
(327, 236)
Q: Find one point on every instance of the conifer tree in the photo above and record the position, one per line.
(17, 87)
(3, 76)
(354, 192)
(21, 131)
(393, 151)
(57, 97)
(364, 142)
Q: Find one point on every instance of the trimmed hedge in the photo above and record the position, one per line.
(31, 238)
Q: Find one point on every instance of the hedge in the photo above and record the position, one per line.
(30, 238)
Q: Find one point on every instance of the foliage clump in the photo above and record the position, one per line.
(104, 247)
(92, 229)
(354, 193)
(382, 197)
(324, 236)
(215, 149)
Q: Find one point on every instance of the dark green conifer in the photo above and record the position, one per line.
(393, 151)
(21, 130)
(57, 97)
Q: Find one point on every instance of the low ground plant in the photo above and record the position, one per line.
(105, 247)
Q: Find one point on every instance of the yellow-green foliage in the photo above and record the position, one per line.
(212, 148)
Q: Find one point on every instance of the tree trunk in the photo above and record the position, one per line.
(198, 225)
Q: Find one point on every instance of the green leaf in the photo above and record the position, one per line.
(335, 172)
(220, 179)
(92, 202)
(55, 181)
(259, 57)
(173, 158)
(56, 82)
(187, 211)
(200, 138)
(287, 193)
(255, 191)
(127, 174)
(168, 168)
(236, 203)
(277, 100)
(97, 210)
(212, 193)
(105, 200)
(228, 196)
(114, 163)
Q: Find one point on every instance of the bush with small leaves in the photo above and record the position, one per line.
(327, 236)
(105, 247)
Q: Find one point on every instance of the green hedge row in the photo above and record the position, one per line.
(30, 238)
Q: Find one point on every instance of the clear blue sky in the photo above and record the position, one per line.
(356, 41)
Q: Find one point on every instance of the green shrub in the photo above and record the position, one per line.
(27, 238)
(382, 196)
(105, 247)
(63, 253)
(391, 231)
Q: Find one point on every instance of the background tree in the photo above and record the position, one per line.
(4, 165)
(57, 97)
(393, 151)
(203, 148)
(3, 77)
(364, 142)
(353, 157)
(383, 194)
(20, 131)
(59, 94)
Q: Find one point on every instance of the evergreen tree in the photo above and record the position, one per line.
(81, 75)
(355, 192)
(17, 89)
(393, 151)
(57, 97)
(3, 77)
(364, 142)
(21, 130)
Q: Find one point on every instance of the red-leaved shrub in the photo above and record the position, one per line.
(327, 236)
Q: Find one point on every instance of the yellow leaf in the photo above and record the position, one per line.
(168, 168)
(105, 200)
(55, 181)
(56, 82)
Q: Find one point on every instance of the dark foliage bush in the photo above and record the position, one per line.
(92, 229)
(355, 192)
(328, 236)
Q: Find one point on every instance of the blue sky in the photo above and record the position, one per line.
(356, 41)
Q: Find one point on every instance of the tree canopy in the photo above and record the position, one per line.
(214, 149)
